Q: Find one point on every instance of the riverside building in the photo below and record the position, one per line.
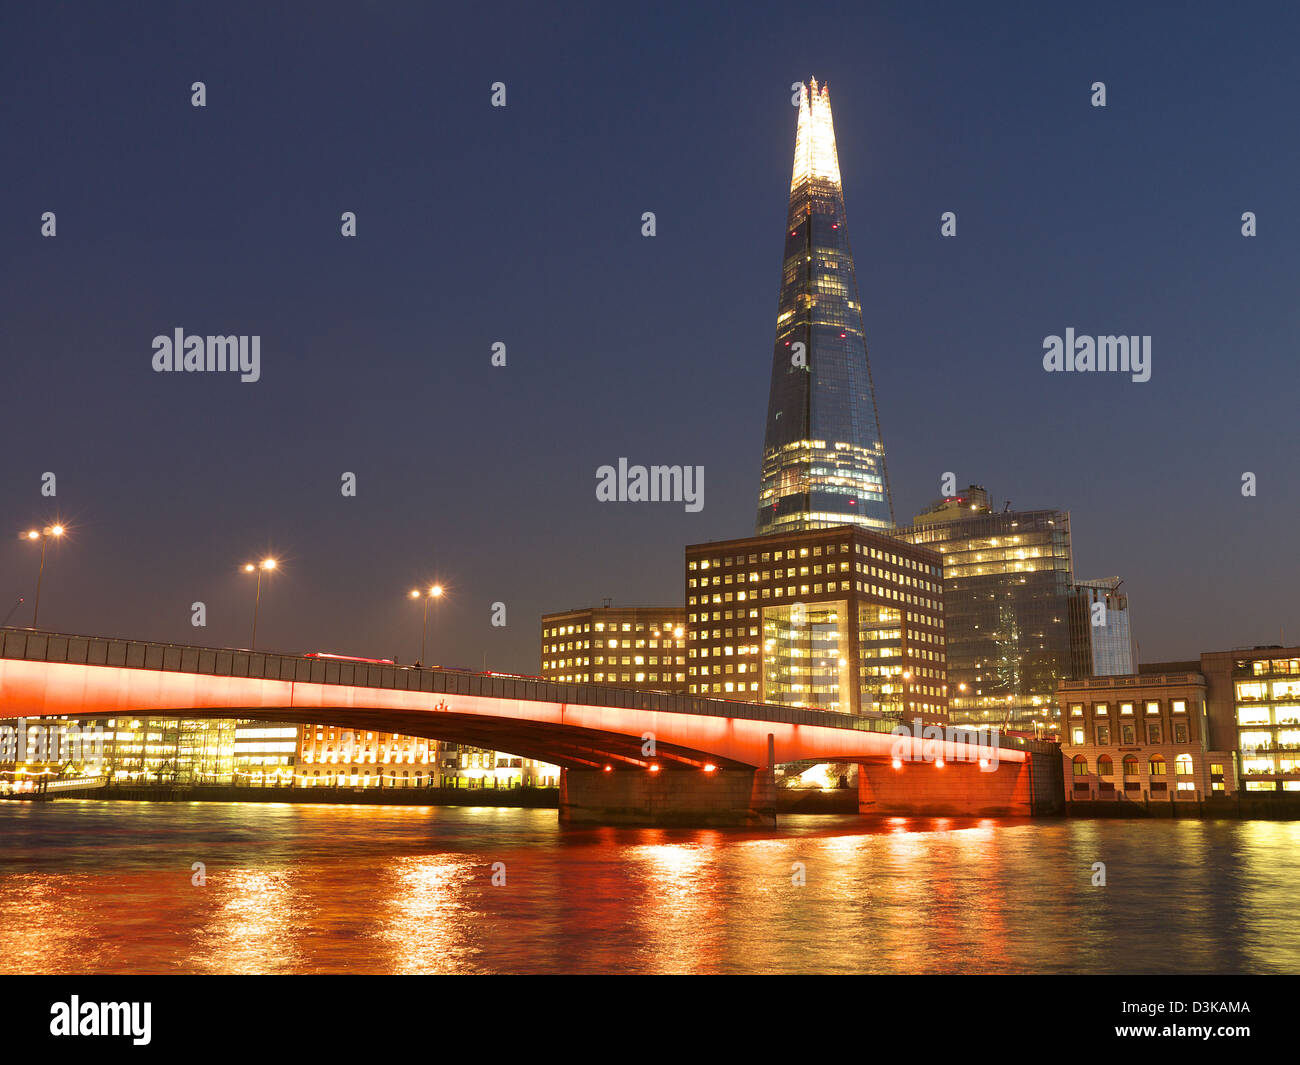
(843, 619)
(1142, 738)
(1008, 581)
(635, 646)
(1255, 710)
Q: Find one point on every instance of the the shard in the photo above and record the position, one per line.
(823, 458)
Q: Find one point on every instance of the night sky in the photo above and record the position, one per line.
(522, 225)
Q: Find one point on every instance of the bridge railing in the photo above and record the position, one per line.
(39, 646)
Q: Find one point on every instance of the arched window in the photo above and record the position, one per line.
(1156, 766)
(1130, 766)
(1183, 765)
(1104, 766)
(1080, 766)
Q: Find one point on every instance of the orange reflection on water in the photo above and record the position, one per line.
(427, 926)
(46, 917)
(254, 926)
(675, 925)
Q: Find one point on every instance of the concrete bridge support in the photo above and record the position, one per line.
(955, 789)
(723, 798)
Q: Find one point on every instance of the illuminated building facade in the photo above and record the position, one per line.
(473, 767)
(168, 750)
(1008, 580)
(823, 458)
(342, 757)
(1141, 738)
(335, 757)
(842, 619)
(265, 752)
(1255, 709)
(643, 647)
(35, 752)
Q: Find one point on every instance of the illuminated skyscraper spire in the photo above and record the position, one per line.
(823, 459)
(814, 141)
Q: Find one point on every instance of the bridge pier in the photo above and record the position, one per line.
(723, 798)
(954, 789)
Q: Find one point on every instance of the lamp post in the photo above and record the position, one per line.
(433, 593)
(266, 564)
(43, 535)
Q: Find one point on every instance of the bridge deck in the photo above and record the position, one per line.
(41, 646)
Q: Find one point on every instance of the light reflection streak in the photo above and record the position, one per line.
(427, 920)
(255, 926)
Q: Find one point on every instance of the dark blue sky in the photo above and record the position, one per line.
(522, 225)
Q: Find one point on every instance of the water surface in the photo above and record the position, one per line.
(90, 886)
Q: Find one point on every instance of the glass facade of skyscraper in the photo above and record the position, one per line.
(823, 459)
(1100, 629)
(1007, 585)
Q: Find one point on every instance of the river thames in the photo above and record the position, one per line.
(108, 887)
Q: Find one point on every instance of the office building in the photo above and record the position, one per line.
(265, 753)
(1142, 738)
(843, 619)
(641, 647)
(329, 756)
(1255, 710)
(1007, 584)
(1101, 637)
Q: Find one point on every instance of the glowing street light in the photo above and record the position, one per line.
(44, 536)
(266, 565)
(433, 593)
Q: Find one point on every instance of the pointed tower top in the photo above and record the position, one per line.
(814, 143)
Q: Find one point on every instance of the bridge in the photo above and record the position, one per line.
(713, 760)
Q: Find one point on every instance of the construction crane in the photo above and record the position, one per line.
(11, 612)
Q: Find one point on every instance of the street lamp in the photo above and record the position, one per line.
(43, 535)
(433, 593)
(266, 564)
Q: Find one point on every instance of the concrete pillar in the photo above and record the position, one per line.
(724, 798)
(957, 789)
